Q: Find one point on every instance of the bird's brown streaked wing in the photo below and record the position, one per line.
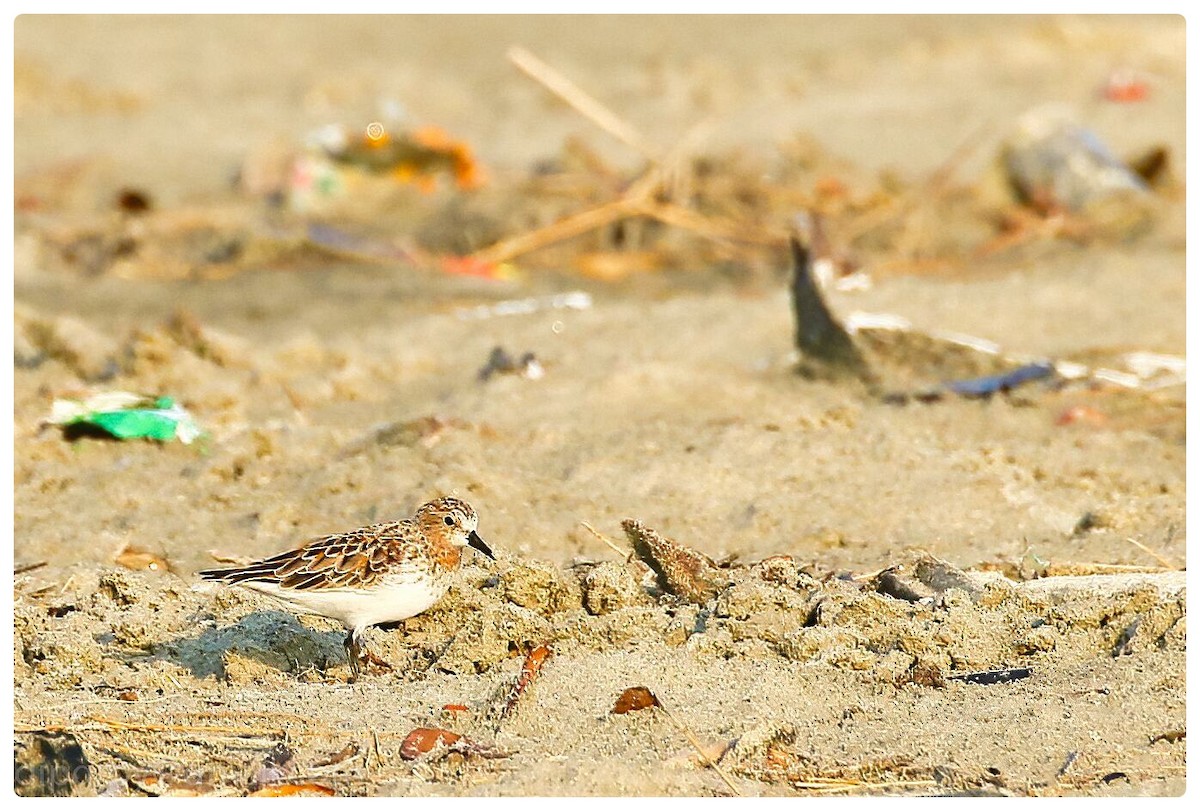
(355, 558)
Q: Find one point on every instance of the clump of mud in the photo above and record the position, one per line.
(609, 587)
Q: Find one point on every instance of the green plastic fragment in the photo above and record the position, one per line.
(136, 424)
(129, 416)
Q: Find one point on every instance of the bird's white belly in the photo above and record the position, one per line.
(392, 600)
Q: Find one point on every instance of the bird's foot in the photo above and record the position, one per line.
(371, 660)
(359, 657)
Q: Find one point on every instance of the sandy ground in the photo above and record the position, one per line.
(338, 394)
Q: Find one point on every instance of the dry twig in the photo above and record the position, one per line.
(571, 226)
(95, 722)
(704, 758)
(1166, 562)
(580, 101)
(641, 698)
(609, 542)
(667, 173)
(819, 785)
(132, 753)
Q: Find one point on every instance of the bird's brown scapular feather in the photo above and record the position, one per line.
(353, 559)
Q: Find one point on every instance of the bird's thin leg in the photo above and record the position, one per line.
(354, 653)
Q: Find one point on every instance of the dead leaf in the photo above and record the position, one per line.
(1171, 736)
(635, 698)
(529, 670)
(294, 790)
(423, 740)
(142, 561)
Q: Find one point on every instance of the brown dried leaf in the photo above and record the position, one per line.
(635, 698)
(423, 740)
(142, 561)
(294, 790)
(924, 674)
(529, 671)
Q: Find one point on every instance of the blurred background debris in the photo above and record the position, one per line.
(1056, 166)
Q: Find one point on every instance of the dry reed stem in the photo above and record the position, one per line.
(819, 785)
(704, 758)
(571, 226)
(600, 216)
(236, 560)
(251, 713)
(142, 753)
(668, 173)
(609, 542)
(1160, 558)
(100, 723)
(708, 227)
(582, 102)
(375, 748)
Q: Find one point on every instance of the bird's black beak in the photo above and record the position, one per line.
(475, 542)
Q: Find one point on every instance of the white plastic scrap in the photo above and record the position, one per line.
(574, 300)
(854, 283)
(970, 341)
(859, 320)
(186, 429)
(824, 271)
(1129, 381)
(1070, 370)
(65, 411)
(1157, 371)
(533, 370)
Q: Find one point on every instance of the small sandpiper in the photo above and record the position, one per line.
(381, 573)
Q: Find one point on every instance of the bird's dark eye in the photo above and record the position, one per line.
(449, 521)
